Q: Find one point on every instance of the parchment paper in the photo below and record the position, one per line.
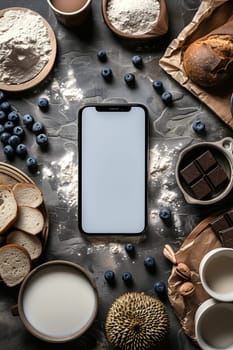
(210, 15)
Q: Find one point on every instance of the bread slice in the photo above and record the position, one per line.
(15, 264)
(8, 208)
(28, 194)
(29, 220)
(31, 243)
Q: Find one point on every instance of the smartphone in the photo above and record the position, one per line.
(113, 148)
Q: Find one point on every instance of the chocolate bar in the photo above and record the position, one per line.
(223, 227)
(226, 237)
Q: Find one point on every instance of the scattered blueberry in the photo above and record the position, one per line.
(129, 78)
(158, 86)
(4, 137)
(37, 128)
(109, 276)
(14, 141)
(32, 164)
(166, 97)
(160, 287)
(102, 55)
(129, 247)
(9, 151)
(106, 73)
(13, 117)
(137, 61)
(2, 96)
(21, 150)
(9, 126)
(43, 104)
(165, 213)
(198, 126)
(2, 129)
(3, 117)
(5, 106)
(28, 120)
(42, 140)
(127, 277)
(149, 263)
(19, 131)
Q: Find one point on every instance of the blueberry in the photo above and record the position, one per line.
(160, 287)
(198, 126)
(28, 120)
(109, 276)
(102, 55)
(5, 106)
(37, 128)
(42, 140)
(13, 117)
(2, 96)
(129, 247)
(9, 126)
(18, 130)
(32, 164)
(127, 277)
(129, 78)
(1, 128)
(43, 104)
(167, 97)
(4, 137)
(149, 263)
(106, 73)
(165, 213)
(21, 150)
(158, 86)
(137, 61)
(14, 141)
(3, 117)
(9, 151)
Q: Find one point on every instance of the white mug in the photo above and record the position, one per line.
(216, 274)
(214, 325)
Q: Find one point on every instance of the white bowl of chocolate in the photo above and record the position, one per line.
(204, 171)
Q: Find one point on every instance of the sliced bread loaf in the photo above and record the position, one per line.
(27, 194)
(15, 264)
(29, 220)
(31, 243)
(8, 208)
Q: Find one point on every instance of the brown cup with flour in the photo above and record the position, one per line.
(71, 13)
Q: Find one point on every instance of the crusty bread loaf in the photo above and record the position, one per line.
(27, 194)
(208, 61)
(8, 208)
(31, 243)
(29, 220)
(15, 264)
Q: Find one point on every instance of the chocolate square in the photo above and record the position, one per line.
(219, 224)
(206, 161)
(190, 173)
(201, 189)
(226, 237)
(229, 215)
(217, 176)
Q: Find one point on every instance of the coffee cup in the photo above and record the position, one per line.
(216, 274)
(70, 13)
(57, 301)
(213, 325)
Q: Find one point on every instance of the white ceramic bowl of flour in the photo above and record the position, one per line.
(58, 301)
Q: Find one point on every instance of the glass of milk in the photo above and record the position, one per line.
(58, 301)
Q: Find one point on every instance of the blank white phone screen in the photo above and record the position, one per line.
(113, 162)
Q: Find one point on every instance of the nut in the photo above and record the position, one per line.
(186, 288)
(168, 252)
(183, 271)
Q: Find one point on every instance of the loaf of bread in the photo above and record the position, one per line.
(208, 61)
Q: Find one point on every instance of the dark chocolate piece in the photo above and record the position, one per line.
(219, 224)
(190, 173)
(229, 216)
(217, 176)
(206, 161)
(226, 237)
(201, 189)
